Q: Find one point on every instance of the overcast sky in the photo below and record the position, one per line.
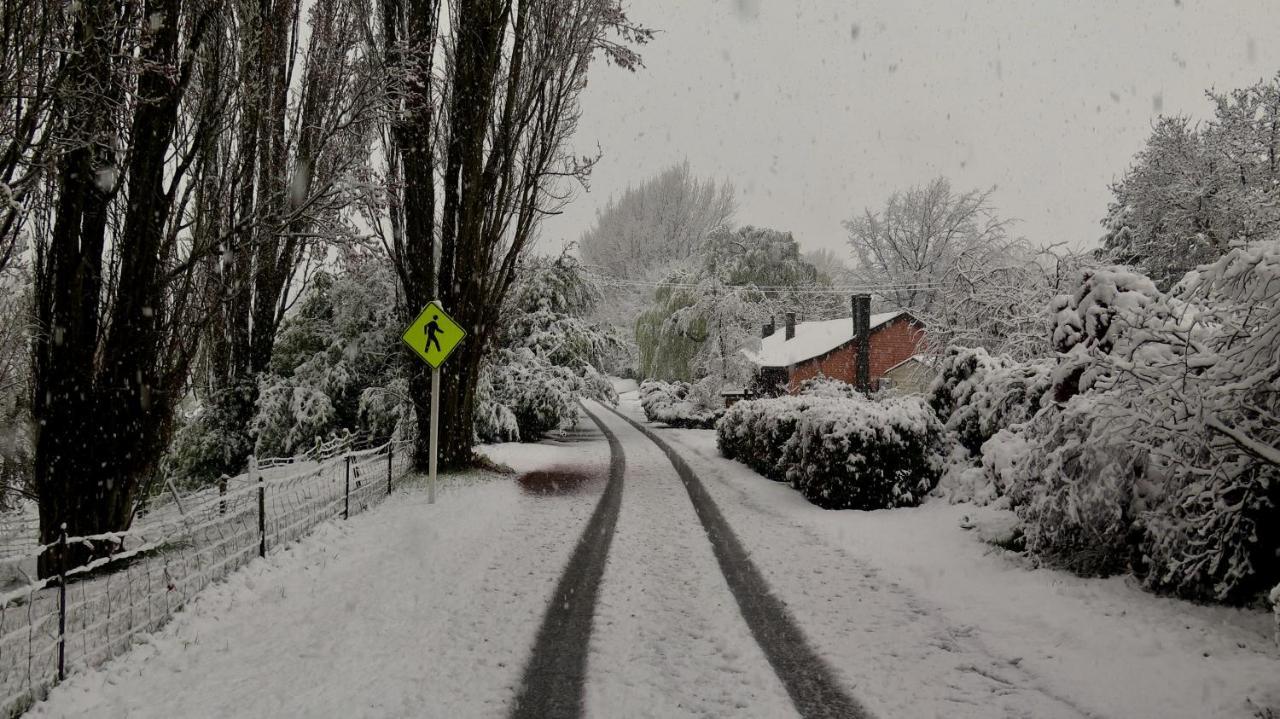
(816, 109)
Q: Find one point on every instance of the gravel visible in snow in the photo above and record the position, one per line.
(925, 618)
(408, 610)
(668, 639)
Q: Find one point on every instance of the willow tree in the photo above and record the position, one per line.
(486, 99)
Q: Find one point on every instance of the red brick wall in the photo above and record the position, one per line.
(890, 344)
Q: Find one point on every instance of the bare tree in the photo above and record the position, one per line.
(646, 231)
(657, 223)
(481, 122)
(112, 304)
(919, 236)
(950, 260)
(30, 33)
(303, 97)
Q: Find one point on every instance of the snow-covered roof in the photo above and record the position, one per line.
(813, 339)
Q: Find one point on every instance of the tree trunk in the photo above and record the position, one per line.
(457, 410)
(104, 394)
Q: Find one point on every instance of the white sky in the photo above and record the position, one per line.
(816, 109)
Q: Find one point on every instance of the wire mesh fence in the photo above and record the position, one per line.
(179, 545)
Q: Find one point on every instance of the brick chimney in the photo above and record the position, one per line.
(768, 329)
(791, 325)
(862, 341)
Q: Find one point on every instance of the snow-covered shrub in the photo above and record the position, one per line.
(1215, 536)
(548, 356)
(955, 381)
(1075, 482)
(539, 395)
(291, 417)
(675, 404)
(1087, 324)
(494, 421)
(388, 411)
(976, 394)
(208, 441)
(1162, 451)
(828, 388)
(758, 433)
(840, 453)
(1274, 597)
(860, 454)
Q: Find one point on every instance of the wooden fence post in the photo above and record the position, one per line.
(391, 453)
(346, 491)
(262, 505)
(222, 492)
(62, 604)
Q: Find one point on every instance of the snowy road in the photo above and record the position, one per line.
(631, 593)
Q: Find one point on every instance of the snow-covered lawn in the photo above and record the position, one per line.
(409, 610)
(988, 629)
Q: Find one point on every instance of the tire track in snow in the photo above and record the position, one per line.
(808, 679)
(553, 679)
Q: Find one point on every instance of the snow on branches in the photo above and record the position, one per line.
(548, 356)
(1160, 452)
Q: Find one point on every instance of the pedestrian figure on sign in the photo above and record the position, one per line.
(432, 330)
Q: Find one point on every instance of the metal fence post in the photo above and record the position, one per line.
(262, 505)
(62, 604)
(391, 453)
(346, 491)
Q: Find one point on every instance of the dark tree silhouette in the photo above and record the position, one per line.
(480, 152)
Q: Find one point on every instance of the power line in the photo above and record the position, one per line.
(837, 290)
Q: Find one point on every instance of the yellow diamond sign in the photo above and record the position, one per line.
(434, 335)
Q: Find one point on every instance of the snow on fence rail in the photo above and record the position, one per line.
(90, 613)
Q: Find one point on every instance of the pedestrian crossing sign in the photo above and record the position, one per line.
(434, 335)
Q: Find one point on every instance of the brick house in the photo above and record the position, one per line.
(829, 348)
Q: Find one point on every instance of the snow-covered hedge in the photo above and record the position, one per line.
(977, 394)
(860, 454)
(840, 453)
(758, 433)
(673, 403)
(827, 387)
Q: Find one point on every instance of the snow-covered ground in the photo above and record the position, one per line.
(925, 619)
(412, 609)
(409, 610)
(668, 639)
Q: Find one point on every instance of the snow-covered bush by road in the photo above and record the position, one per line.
(1077, 485)
(758, 433)
(860, 454)
(674, 404)
(1160, 452)
(977, 394)
(827, 387)
(839, 453)
(548, 355)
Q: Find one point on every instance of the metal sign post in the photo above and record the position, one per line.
(435, 425)
(433, 336)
